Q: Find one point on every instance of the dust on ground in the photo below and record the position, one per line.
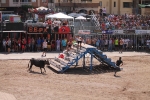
(133, 83)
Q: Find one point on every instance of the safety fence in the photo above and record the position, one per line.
(134, 42)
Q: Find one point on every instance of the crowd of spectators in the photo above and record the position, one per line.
(102, 43)
(57, 25)
(112, 22)
(120, 43)
(126, 21)
(31, 44)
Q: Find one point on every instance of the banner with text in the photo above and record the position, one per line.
(84, 32)
(142, 31)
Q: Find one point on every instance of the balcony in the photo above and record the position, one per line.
(25, 3)
(77, 4)
(22, 3)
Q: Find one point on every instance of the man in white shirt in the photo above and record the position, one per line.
(56, 24)
(104, 11)
(44, 47)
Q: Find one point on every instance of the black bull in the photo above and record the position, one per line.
(38, 63)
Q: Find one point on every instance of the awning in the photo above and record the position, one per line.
(14, 31)
(144, 6)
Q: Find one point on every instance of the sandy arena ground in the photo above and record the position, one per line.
(133, 83)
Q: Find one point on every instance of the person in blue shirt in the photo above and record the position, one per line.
(64, 44)
(39, 44)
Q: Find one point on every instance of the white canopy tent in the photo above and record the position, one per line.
(72, 14)
(59, 16)
(76, 14)
(47, 15)
(41, 8)
(81, 18)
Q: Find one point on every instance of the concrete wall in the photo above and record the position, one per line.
(114, 10)
(109, 4)
(125, 10)
(145, 11)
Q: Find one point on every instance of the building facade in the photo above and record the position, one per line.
(112, 6)
(19, 3)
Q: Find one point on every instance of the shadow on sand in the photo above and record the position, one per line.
(99, 69)
(33, 72)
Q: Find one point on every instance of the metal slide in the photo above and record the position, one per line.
(75, 54)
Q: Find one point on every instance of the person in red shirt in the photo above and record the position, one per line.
(64, 29)
(49, 21)
(29, 43)
(19, 44)
(103, 26)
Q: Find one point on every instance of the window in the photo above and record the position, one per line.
(33, 0)
(15, 0)
(43, 0)
(86, 1)
(146, 2)
(51, 1)
(3, 1)
(23, 0)
(100, 3)
(127, 4)
(114, 4)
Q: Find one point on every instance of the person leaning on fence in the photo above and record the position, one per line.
(118, 63)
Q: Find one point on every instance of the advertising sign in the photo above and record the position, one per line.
(107, 32)
(118, 31)
(141, 31)
(129, 31)
(84, 32)
(37, 30)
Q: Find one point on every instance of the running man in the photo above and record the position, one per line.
(118, 63)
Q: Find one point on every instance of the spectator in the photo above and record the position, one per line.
(4, 45)
(48, 45)
(58, 44)
(104, 11)
(39, 44)
(121, 42)
(110, 44)
(29, 44)
(44, 48)
(13, 45)
(64, 44)
(69, 44)
(8, 43)
(32, 44)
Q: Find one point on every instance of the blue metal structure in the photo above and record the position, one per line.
(76, 54)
